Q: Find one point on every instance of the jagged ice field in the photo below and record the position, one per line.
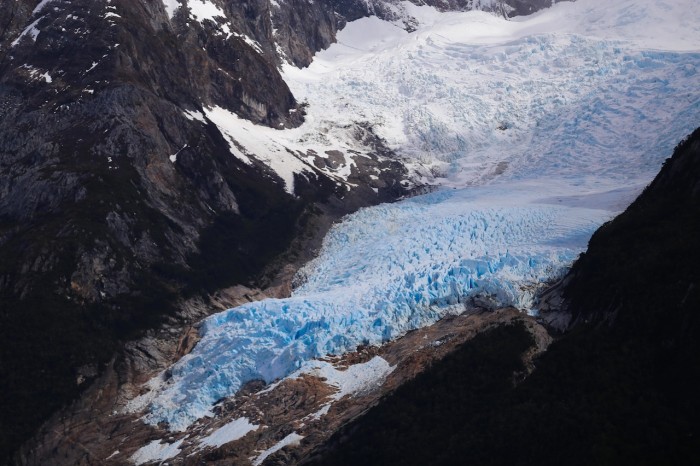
(537, 130)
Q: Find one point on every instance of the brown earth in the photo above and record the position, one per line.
(97, 430)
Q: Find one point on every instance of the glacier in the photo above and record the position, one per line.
(538, 131)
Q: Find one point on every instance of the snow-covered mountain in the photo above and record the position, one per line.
(540, 129)
(206, 138)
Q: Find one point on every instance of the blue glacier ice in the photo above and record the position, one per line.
(382, 272)
(573, 154)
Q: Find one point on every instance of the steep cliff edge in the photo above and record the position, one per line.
(619, 387)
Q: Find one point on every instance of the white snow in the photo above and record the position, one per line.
(246, 139)
(203, 9)
(173, 157)
(286, 151)
(539, 130)
(35, 73)
(156, 451)
(40, 6)
(254, 44)
(234, 430)
(30, 30)
(171, 6)
(194, 115)
(292, 439)
(355, 379)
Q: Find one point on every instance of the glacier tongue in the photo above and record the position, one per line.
(543, 129)
(382, 272)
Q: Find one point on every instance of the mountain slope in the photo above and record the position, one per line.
(123, 191)
(619, 388)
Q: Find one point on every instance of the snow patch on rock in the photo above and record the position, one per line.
(194, 115)
(353, 380)
(230, 432)
(171, 6)
(290, 440)
(156, 451)
(203, 9)
(31, 31)
(248, 141)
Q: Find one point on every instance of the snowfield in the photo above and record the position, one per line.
(539, 129)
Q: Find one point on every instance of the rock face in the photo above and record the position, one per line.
(119, 199)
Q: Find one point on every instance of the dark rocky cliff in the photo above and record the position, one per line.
(619, 387)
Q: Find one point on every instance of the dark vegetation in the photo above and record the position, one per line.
(424, 420)
(620, 388)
